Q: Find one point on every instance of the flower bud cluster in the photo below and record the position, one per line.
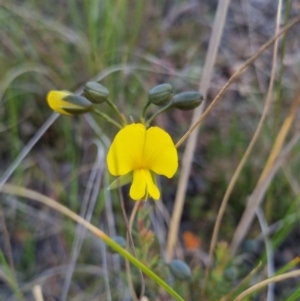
(162, 95)
(94, 93)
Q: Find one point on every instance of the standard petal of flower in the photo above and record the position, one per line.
(138, 186)
(160, 153)
(56, 102)
(125, 153)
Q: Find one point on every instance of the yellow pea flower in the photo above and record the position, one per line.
(67, 103)
(144, 153)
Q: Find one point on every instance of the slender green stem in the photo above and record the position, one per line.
(144, 109)
(114, 107)
(162, 110)
(107, 118)
(24, 192)
(9, 277)
(141, 266)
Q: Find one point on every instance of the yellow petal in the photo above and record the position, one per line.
(151, 187)
(138, 186)
(125, 153)
(142, 184)
(160, 154)
(57, 104)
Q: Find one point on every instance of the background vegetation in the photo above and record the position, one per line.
(132, 46)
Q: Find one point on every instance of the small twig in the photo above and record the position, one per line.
(254, 137)
(235, 76)
(129, 240)
(269, 252)
(110, 219)
(105, 270)
(247, 278)
(253, 202)
(129, 234)
(86, 211)
(191, 145)
(12, 167)
(266, 282)
(37, 293)
(257, 195)
(38, 197)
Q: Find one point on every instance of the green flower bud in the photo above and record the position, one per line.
(231, 273)
(251, 246)
(160, 95)
(75, 104)
(187, 100)
(95, 92)
(180, 269)
(120, 240)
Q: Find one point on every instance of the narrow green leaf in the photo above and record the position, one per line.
(121, 181)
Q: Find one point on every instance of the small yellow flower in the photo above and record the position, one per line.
(67, 103)
(144, 152)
